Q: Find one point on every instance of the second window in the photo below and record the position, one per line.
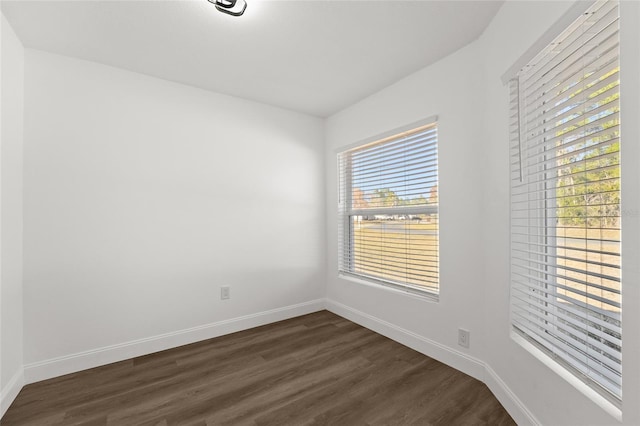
(388, 210)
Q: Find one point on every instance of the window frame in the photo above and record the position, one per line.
(580, 380)
(345, 213)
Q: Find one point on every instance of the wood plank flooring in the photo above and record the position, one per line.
(315, 369)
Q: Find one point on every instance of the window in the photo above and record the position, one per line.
(388, 210)
(566, 294)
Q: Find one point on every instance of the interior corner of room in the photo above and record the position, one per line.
(141, 212)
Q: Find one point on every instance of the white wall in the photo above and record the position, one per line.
(466, 92)
(11, 330)
(447, 89)
(143, 197)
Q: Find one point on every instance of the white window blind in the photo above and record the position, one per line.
(565, 200)
(388, 210)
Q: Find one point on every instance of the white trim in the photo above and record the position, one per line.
(453, 358)
(630, 200)
(10, 391)
(514, 406)
(577, 9)
(93, 358)
(569, 376)
(67, 364)
(456, 359)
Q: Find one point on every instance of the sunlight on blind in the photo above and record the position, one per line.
(565, 199)
(389, 210)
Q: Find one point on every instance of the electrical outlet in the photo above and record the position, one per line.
(463, 337)
(225, 293)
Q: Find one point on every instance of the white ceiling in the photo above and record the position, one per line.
(316, 57)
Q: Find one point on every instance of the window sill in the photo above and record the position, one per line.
(608, 406)
(413, 293)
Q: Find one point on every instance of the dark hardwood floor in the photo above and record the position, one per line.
(314, 369)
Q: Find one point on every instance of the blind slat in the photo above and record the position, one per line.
(580, 325)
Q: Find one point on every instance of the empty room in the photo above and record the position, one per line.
(295, 212)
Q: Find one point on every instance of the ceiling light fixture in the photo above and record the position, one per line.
(230, 7)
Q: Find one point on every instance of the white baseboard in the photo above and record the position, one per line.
(94, 358)
(106, 355)
(10, 391)
(508, 399)
(456, 359)
(453, 358)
